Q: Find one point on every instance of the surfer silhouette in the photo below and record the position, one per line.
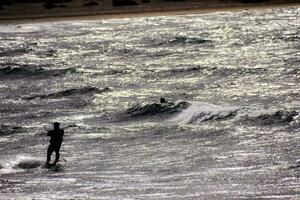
(56, 140)
(163, 101)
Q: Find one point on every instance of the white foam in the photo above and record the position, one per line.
(19, 28)
(253, 113)
(11, 165)
(201, 111)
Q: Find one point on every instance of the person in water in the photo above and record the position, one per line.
(180, 105)
(163, 101)
(56, 140)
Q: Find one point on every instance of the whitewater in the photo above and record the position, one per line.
(229, 130)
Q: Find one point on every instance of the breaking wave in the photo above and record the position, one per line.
(20, 163)
(200, 112)
(156, 109)
(268, 117)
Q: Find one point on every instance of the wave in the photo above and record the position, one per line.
(8, 130)
(20, 162)
(156, 109)
(187, 70)
(268, 117)
(69, 92)
(20, 71)
(186, 40)
(296, 165)
(223, 72)
(199, 112)
(208, 71)
(180, 40)
(14, 52)
(29, 164)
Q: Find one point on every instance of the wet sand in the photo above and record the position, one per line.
(23, 13)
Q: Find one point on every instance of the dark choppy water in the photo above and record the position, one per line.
(233, 132)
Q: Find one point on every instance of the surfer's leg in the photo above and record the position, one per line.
(56, 156)
(49, 153)
(56, 149)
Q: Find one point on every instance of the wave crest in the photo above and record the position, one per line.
(14, 52)
(156, 109)
(182, 40)
(269, 117)
(8, 130)
(199, 112)
(16, 71)
(69, 92)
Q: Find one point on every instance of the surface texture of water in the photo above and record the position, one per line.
(232, 133)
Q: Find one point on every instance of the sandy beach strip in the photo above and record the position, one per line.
(84, 14)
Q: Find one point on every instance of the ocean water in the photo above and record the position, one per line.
(232, 131)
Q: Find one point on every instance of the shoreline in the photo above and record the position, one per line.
(116, 14)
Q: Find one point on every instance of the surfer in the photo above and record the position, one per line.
(56, 136)
(163, 101)
(180, 105)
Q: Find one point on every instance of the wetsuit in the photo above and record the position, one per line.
(55, 143)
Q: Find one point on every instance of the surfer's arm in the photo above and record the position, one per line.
(49, 133)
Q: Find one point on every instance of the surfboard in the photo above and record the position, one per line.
(55, 167)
